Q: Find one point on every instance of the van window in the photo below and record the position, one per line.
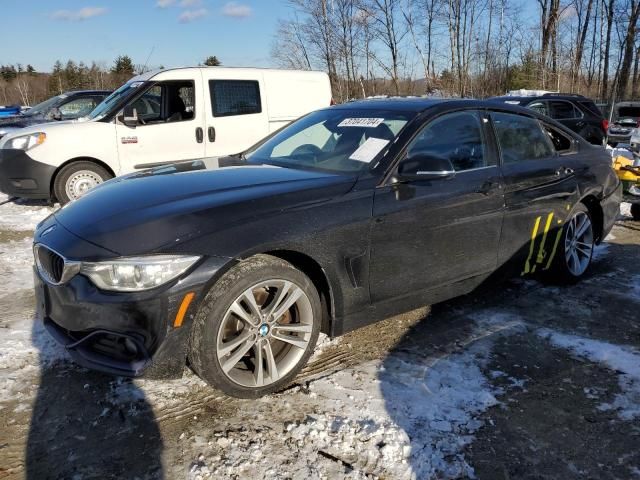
(166, 102)
(521, 138)
(234, 97)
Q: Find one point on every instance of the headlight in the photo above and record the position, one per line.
(26, 142)
(134, 274)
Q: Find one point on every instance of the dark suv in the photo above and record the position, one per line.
(576, 112)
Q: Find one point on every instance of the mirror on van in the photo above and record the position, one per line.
(129, 117)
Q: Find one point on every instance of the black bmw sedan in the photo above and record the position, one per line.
(347, 216)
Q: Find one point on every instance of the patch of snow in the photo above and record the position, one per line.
(408, 416)
(625, 209)
(624, 361)
(21, 215)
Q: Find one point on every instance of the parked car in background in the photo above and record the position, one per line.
(154, 119)
(67, 106)
(347, 216)
(9, 110)
(576, 112)
(625, 118)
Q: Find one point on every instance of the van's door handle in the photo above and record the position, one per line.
(212, 134)
(199, 135)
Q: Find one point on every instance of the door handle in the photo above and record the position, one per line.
(211, 132)
(199, 135)
(564, 171)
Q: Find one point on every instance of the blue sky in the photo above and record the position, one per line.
(182, 32)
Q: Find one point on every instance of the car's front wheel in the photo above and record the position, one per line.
(77, 178)
(575, 249)
(256, 328)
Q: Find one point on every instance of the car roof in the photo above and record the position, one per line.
(88, 92)
(420, 104)
(524, 98)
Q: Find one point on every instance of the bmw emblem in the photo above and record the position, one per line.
(263, 330)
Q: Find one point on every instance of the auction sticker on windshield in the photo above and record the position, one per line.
(361, 122)
(369, 149)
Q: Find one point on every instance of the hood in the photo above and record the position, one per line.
(22, 121)
(146, 211)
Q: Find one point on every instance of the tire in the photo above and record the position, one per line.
(635, 211)
(573, 256)
(75, 179)
(228, 343)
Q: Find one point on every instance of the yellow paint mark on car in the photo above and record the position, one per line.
(534, 232)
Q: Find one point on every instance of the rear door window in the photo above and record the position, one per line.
(234, 97)
(521, 138)
(540, 107)
(561, 110)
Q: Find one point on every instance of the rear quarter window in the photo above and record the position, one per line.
(234, 97)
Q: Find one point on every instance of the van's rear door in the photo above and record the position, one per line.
(236, 115)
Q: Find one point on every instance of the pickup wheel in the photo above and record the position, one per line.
(75, 179)
(256, 328)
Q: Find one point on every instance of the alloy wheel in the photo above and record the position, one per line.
(265, 333)
(578, 243)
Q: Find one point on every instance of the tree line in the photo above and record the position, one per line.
(467, 48)
(25, 86)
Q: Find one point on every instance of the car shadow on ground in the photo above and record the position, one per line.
(486, 349)
(88, 425)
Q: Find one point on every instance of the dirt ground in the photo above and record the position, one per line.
(516, 381)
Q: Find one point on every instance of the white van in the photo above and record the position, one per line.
(159, 117)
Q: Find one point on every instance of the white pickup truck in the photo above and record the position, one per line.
(159, 117)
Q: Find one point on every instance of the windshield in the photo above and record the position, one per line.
(333, 140)
(121, 94)
(628, 112)
(43, 107)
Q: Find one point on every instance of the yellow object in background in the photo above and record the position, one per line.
(623, 174)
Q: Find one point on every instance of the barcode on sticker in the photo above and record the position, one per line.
(361, 122)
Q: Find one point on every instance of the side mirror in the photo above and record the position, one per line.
(55, 114)
(424, 167)
(129, 117)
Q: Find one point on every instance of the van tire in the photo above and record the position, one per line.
(74, 179)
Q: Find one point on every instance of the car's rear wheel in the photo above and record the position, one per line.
(76, 179)
(575, 249)
(635, 211)
(256, 328)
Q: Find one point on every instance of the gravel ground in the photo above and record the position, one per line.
(518, 380)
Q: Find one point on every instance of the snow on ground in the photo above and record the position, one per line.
(402, 417)
(624, 361)
(21, 216)
(625, 209)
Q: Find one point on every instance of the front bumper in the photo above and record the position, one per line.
(127, 334)
(22, 176)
